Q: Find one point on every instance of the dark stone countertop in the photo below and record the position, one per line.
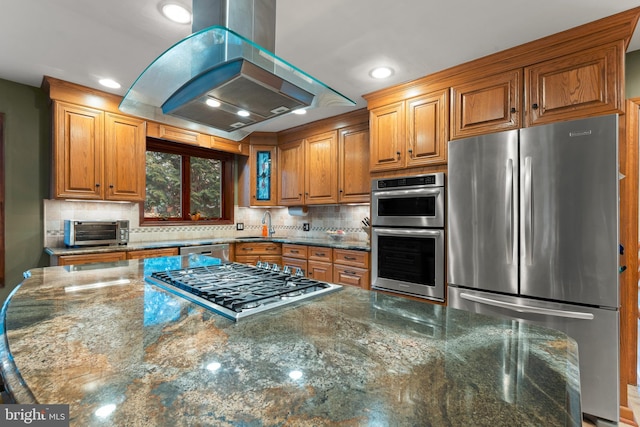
(345, 244)
(103, 336)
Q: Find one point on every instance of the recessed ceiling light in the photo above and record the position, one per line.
(243, 113)
(300, 111)
(176, 13)
(381, 72)
(109, 83)
(212, 102)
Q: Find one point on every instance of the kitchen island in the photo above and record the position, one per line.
(121, 351)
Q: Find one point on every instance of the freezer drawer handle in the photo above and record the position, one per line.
(528, 309)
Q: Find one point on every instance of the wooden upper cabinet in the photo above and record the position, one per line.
(291, 174)
(124, 158)
(427, 129)
(77, 151)
(573, 86)
(387, 127)
(410, 133)
(486, 105)
(321, 168)
(353, 165)
(98, 155)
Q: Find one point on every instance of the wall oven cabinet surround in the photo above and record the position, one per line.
(410, 133)
(407, 235)
(97, 155)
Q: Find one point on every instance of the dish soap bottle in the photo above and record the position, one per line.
(265, 232)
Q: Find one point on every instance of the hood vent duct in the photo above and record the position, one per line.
(204, 81)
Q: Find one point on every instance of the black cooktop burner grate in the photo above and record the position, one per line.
(237, 290)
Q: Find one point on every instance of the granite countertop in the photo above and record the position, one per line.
(345, 244)
(100, 337)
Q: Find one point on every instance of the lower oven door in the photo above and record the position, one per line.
(408, 261)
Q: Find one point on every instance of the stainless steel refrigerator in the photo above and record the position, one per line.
(533, 235)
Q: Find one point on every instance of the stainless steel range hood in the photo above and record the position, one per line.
(204, 81)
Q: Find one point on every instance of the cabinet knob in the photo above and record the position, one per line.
(534, 106)
(97, 184)
(110, 185)
(513, 110)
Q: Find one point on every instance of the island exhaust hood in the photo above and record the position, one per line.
(224, 79)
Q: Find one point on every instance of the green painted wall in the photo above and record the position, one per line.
(632, 74)
(27, 175)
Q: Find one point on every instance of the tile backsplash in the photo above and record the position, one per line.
(320, 218)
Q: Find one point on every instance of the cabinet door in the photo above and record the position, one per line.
(387, 137)
(428, 133)
(262, 179)
(321, 168)
(294, 264)
(576, 86)
(354, 184)
(486, 105)
(124, 158)
(291, 175)
(77, 151)
(319, 270)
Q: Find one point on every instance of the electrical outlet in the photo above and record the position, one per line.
(240, 226)
(305, 226)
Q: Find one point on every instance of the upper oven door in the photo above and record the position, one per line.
(419, 207)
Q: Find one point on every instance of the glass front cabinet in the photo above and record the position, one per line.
(263, 169)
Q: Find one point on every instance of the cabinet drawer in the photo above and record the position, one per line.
(90, 258)
(352, 276)
(152, 253)
(294, 251)
(261, 248)
(350, 257)
(317, 253)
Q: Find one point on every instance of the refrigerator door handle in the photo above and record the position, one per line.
(509, 210)
(528, 309)
(528, 212)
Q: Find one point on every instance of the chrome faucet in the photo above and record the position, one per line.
(270, 230)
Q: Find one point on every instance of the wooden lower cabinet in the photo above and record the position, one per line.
(351, 267)
(319, 270)
(353, 276)
(89, 258)
(294, 257)
(250, 253)
(152, 253)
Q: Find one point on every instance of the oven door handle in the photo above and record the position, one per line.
(407, 193)
(404, 232)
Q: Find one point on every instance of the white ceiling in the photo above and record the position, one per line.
(336, 41)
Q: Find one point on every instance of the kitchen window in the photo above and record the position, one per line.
(187, 184)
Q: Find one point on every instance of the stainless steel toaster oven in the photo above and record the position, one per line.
(96, 233)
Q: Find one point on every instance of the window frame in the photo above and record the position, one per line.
(228, 196)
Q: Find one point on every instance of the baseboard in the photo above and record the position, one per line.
(627, 417)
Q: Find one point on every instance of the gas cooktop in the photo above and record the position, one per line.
(238, 290)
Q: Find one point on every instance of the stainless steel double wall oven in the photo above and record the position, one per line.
(407, 235)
